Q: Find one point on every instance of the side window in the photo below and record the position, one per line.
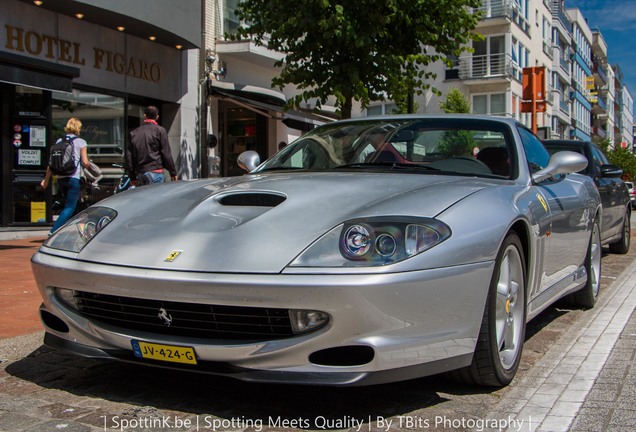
(537, 156)
(599, 156)
(308, 154)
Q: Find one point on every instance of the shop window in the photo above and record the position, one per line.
(28, 203)
(29, 102)
(103, 128)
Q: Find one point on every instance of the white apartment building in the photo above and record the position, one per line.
(581, 70)
(581, 97)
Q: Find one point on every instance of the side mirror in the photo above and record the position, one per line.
(563, 162)
(249, 160)
(611, 171)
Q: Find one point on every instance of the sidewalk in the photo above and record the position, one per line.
(587, 379)
(19, 297)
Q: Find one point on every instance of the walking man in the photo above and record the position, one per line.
(149, 151)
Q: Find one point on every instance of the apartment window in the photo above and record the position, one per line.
(230, 21)
(489, 56)
(520, 57)
(489, 104)
(382, 109)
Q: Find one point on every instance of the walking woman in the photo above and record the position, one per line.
(69, 186)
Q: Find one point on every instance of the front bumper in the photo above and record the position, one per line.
(417, 323)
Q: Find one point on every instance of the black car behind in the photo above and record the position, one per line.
(616, 226)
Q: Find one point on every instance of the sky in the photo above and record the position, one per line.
(616, 20)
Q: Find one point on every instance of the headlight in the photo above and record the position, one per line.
(81, 229)
(374, 242)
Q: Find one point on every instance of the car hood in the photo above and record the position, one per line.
(257, 223)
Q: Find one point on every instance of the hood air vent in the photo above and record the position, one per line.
(252, 199)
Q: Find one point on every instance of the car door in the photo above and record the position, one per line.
(566, 237)
(610, 187)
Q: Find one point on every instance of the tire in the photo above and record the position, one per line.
(502, 333)
(586, 296)
(621, 246)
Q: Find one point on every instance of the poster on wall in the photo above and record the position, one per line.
(29, 157)
(38, 211)
(37, 135)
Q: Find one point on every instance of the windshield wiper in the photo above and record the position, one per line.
(392, 165)
(280, 168)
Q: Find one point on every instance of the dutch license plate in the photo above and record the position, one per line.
(169, 353)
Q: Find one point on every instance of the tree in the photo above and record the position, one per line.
(456, 143)
(455, 102)
(621, 157)
(363, 50)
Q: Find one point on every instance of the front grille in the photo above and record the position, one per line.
(186, 319)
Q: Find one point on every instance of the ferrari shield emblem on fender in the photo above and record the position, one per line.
(173, 255)
(543, 203)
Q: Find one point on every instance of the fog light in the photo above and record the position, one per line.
(68, 297)
(303, 321)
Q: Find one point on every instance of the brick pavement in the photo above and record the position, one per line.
(19, 296)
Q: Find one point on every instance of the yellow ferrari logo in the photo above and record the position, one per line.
(543, 203)
(173, 255)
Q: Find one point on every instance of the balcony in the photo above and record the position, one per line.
(559, 14)
(600, 77)
(599, 106)
(548, 48)
(488, 67)
(493, 9)
(599, 132)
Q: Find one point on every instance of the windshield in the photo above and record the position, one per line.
(452, 145)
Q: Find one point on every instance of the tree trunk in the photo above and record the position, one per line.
(345, 110)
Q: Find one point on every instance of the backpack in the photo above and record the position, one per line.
(61, 161)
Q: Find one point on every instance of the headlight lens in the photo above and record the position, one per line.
(81, 229)
(374, 242)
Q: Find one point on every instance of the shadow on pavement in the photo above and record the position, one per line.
(197, 394)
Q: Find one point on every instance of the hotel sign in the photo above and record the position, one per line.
(106, 58)
(37, 44)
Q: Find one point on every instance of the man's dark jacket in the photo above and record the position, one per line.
(149, 150)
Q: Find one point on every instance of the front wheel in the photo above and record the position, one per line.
(502, 333)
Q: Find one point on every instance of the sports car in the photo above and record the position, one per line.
(368, 250)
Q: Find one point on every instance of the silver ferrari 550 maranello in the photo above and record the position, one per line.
(368, 250)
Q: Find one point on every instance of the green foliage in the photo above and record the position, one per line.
(455, 102)
(621, 157)
(456, 143)
(363, 50)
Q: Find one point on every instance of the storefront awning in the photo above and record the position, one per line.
(262, 100)
(20, 70)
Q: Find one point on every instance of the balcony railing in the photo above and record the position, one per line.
(548, 48)
(496, 9)
(559, 13)
(598, 70)
(487, 66)
(599, 131)
(564, 60)
(601, 103)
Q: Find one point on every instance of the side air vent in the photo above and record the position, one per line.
(252, 199)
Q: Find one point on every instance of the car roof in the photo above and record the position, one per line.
(447, 116)
(569, 143)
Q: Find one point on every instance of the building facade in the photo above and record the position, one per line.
(243, 111)
(584, 96)
(101, 62)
